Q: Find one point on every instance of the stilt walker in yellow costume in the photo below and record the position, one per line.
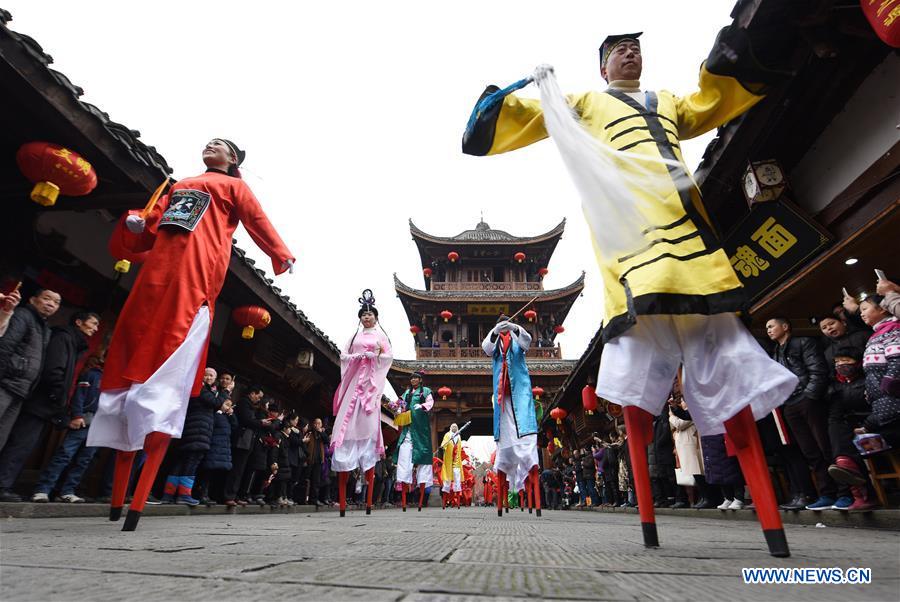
(451, 470)
(672, 299)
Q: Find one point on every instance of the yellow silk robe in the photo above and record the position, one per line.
(452, 458)
(682, 269)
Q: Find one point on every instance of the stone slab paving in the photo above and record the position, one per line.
(467, 555)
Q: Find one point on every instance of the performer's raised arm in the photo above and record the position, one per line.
(507, 123)
(728, 87)
(261, 230)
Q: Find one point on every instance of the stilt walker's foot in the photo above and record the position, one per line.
(343, 513)
(640, 434)
(115, 513)
(131, 520)
(741, 433)
(777, 541)
(368, 510)
(537, 512)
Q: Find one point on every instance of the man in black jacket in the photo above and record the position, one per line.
(48, 402)
(251, 419)
(22, 355)
(806, 410)
(837, 335)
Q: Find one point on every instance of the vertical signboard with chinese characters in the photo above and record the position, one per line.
(771, 243)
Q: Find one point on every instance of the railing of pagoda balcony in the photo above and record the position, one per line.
(486, 286)
(425, 353)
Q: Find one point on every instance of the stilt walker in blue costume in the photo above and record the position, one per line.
(515, 424)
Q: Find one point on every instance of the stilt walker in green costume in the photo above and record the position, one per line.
(413, 455)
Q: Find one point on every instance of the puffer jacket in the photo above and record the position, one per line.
(198, 424)
(801, 356)
(219, 455)
(882, 367)
(49, 398)
(22, 351)
(720, 468)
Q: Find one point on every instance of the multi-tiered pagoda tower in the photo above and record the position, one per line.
(470, 279)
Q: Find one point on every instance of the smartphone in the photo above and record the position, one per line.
(880, 274)
(844, 290)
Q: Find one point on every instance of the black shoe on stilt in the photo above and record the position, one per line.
(343, 513)
(115, 513)
(537, 513)
(404, 508)
(131, 520)
(651, 538)
(500, 512)
(368, 509)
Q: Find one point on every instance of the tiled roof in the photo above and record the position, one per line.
(574, 288)
(147, 155)
(484, 233)
(129, 139)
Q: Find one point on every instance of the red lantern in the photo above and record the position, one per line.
(55, 170)
(537, 392)
(446, 314)
(520, 256)
(883, 19)
(445, 392)
(530, 315)
(427, 272)
(543, 272)
(558, 414)
(613, 409)
(452, 256)
(559, 329)
(589, 399)
(252, 318)
(415, 329)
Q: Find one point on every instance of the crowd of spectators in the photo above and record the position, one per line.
(847, 402)
(247, 449)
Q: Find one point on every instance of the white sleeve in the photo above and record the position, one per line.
(524, 339)
(488, 345)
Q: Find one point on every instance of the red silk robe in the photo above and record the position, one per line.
(183, 270)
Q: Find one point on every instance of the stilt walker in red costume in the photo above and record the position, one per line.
(157, 355)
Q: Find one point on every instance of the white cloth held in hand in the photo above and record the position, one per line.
(289, 266)
(135, 223)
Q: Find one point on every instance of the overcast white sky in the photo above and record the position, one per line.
(352, 113)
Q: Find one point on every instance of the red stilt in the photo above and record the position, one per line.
(121, 476)
(506, 494)
(521, 500)
(421, 495)
(444, 495)
(403, 491)
(742, 434)
(529, 493)
(536, 491)
(370, 487)
(155, 445)
(342, 492)
(501, 478)
(458, 495)
(640, 434)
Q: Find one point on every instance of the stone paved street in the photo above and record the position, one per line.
(451, 555)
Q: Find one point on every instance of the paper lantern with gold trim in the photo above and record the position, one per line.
(589, 399)
(55, 170)
(251, 318)
(445, 392)
(558, 414)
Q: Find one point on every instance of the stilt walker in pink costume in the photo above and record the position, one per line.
(156, 358)
(356, 436)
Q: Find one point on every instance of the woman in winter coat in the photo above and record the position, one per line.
(723, 470)
(195, 441)
(881, 364)
(217, 461)
(687, 446)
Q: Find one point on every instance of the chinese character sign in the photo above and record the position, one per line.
(773, 241)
